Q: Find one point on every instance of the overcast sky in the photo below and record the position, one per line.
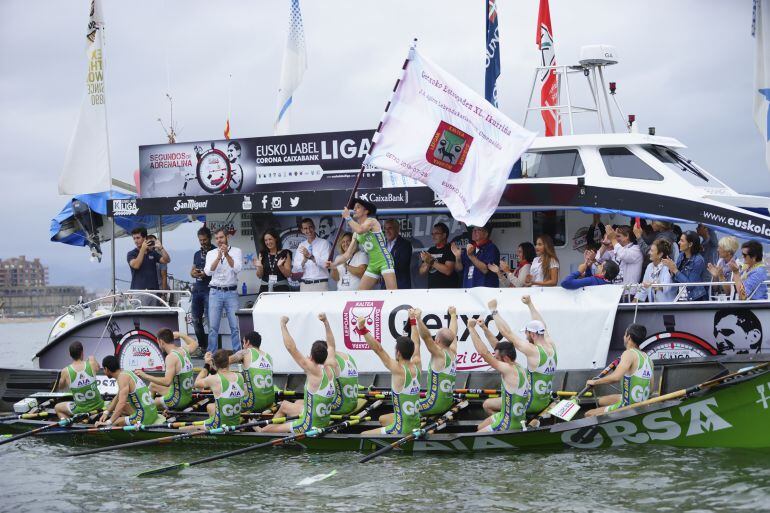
(686, 67)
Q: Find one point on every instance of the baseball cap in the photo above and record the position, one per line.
(534, 326)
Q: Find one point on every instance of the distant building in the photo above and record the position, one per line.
(20, 272)
(24, 290)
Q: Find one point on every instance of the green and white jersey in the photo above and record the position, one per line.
(406, 409)
(258, 377)
(317, 406)
(376, 247)
(228, 404)
(346, 386)
(85, 390)
(541, 380)
(179, 394)
(636, 387)
(514, 403)
(438, 398)
(145, 411)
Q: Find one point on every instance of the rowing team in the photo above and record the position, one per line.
(331, 385)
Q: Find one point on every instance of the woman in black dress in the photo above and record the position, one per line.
(274, 264)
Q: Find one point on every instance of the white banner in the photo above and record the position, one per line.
(579, 321)
(440, 132)
(87, 164)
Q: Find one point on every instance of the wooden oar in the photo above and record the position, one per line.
(315, 432)
(417, 433)
(60, 423)
(566, 409)
(25, 416)
(183, 436)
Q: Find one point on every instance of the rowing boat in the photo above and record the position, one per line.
(731, 412)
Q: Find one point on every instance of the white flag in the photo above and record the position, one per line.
(761, 23)
(87, 164)
(441, 133)
(292, 70)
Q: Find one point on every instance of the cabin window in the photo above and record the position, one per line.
(550, 164)
(683, 166)
(621, 163)
(550, 222)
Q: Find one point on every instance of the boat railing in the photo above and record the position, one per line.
(716, 291)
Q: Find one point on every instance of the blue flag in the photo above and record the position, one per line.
(493, 54)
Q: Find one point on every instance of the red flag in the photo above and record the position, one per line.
(549, 94)
(227, 129)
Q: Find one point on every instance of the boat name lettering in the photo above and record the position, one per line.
(190, 204)
(762, 397)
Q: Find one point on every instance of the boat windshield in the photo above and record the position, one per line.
(685, 167)
(550, 164)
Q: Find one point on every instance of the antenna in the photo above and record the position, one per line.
(171, 131)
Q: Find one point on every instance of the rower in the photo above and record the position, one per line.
(228, 390)
(80, 378)
(405, 381)
(635, 369)
(442, 367)
(174, 389)
(539, 349)
(133, 404)
(514, 387)
(257, 373)
(319, 385)
(368, 234)
(345, 371)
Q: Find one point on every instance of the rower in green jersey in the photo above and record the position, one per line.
(345, 385)
(133, 404)
(314, 410)
(174, 389)
(405, 382)
(79, 378)
(539, 348)
(257, 373)
(514, 387)
(442, 368)
(635, 369)
(227, 388)
(368, 234)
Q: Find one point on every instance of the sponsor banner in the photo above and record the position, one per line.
(579, 321)
(323, 161)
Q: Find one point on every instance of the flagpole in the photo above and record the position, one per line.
(106, 117)
(349, 204)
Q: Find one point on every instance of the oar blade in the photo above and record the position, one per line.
(163, 470)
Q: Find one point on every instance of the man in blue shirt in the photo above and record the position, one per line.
(200, 291)
(143, 261)
(605, 274)
(472, 261)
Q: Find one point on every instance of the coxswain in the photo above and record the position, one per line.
(257, 373)
(404, 379)
(133, 404)
(367, 233)
(442, 367)
(319, 385)
(539, 349)
(635, 369)
(79, 378)
(514, 387)
(174, 389)
(228, 390)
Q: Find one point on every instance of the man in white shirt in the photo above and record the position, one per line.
(310, 259)
(223, 263)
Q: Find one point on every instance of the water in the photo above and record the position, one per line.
(36, 478)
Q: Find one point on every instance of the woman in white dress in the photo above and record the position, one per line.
(657, 272)
(544, 271)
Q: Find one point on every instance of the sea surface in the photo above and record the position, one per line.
(34, 477)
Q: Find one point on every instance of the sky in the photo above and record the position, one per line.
(686, 67)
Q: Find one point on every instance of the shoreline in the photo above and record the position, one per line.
(25, 320)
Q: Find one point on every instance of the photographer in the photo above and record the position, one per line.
(143, 262)
(200, 291)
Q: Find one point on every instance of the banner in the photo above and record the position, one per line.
(580, 322)
(492, 64)
(87, 164)
(322, 161)
(761, 23)
(441, 133)
(549, 89)
(292, 70)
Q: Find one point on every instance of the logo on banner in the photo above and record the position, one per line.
(124, 207)
(190, 204)
(369, 310)
(448, 147)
